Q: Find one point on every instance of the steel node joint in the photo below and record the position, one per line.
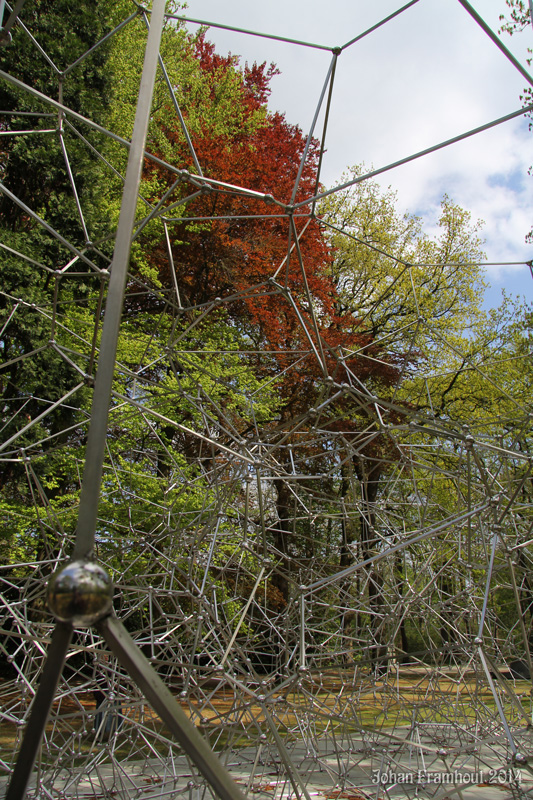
(80, 593)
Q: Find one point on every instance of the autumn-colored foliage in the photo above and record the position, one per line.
(237, 236)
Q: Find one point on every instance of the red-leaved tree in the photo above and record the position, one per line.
(239, 240)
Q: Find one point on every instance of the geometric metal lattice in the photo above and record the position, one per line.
(311, 495)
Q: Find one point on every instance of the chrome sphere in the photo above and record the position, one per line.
(80, 592)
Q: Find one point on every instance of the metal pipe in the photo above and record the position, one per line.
(521, 112)
(166, 705)
(92, 475)
(40, 711)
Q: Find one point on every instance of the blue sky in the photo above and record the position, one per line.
(426, 76)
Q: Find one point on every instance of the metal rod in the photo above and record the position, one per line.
(38, 47)
(171, 264)
(73, 187)
(40, 710)
(74, 114)
(177, 109)
(292, 772)
(499, 44)
(312, 128)
(325, 128)
(41, 416)
(92, 475)
(487, 586)
(166, 705)
(101, 42)
(521, 112)
(312, 314)
(26, 258)
(160, 213)
(243, 614)
(249, 33)
(16, 113)
(49, 228)
(24, 133)
(379, 24)
(12, 19)
(152, 413)
(450, 523)
(501, 712)
(302, 632)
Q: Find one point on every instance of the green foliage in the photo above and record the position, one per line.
(520, 16)
(391, 275)
(211, 102)
(33, 166)
(153, 476)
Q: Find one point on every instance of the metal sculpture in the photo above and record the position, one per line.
(335, 603)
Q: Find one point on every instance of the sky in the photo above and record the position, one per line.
(428, 75)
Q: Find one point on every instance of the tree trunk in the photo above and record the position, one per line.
(281, 533)
(399, 576)
(369, 476)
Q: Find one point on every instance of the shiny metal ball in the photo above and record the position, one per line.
(80, 592)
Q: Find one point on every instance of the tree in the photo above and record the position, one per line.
(232, 244)
(155, 476)
(412, 297)
(38, 184)
(485, 391)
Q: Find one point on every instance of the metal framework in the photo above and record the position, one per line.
(334, 601)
